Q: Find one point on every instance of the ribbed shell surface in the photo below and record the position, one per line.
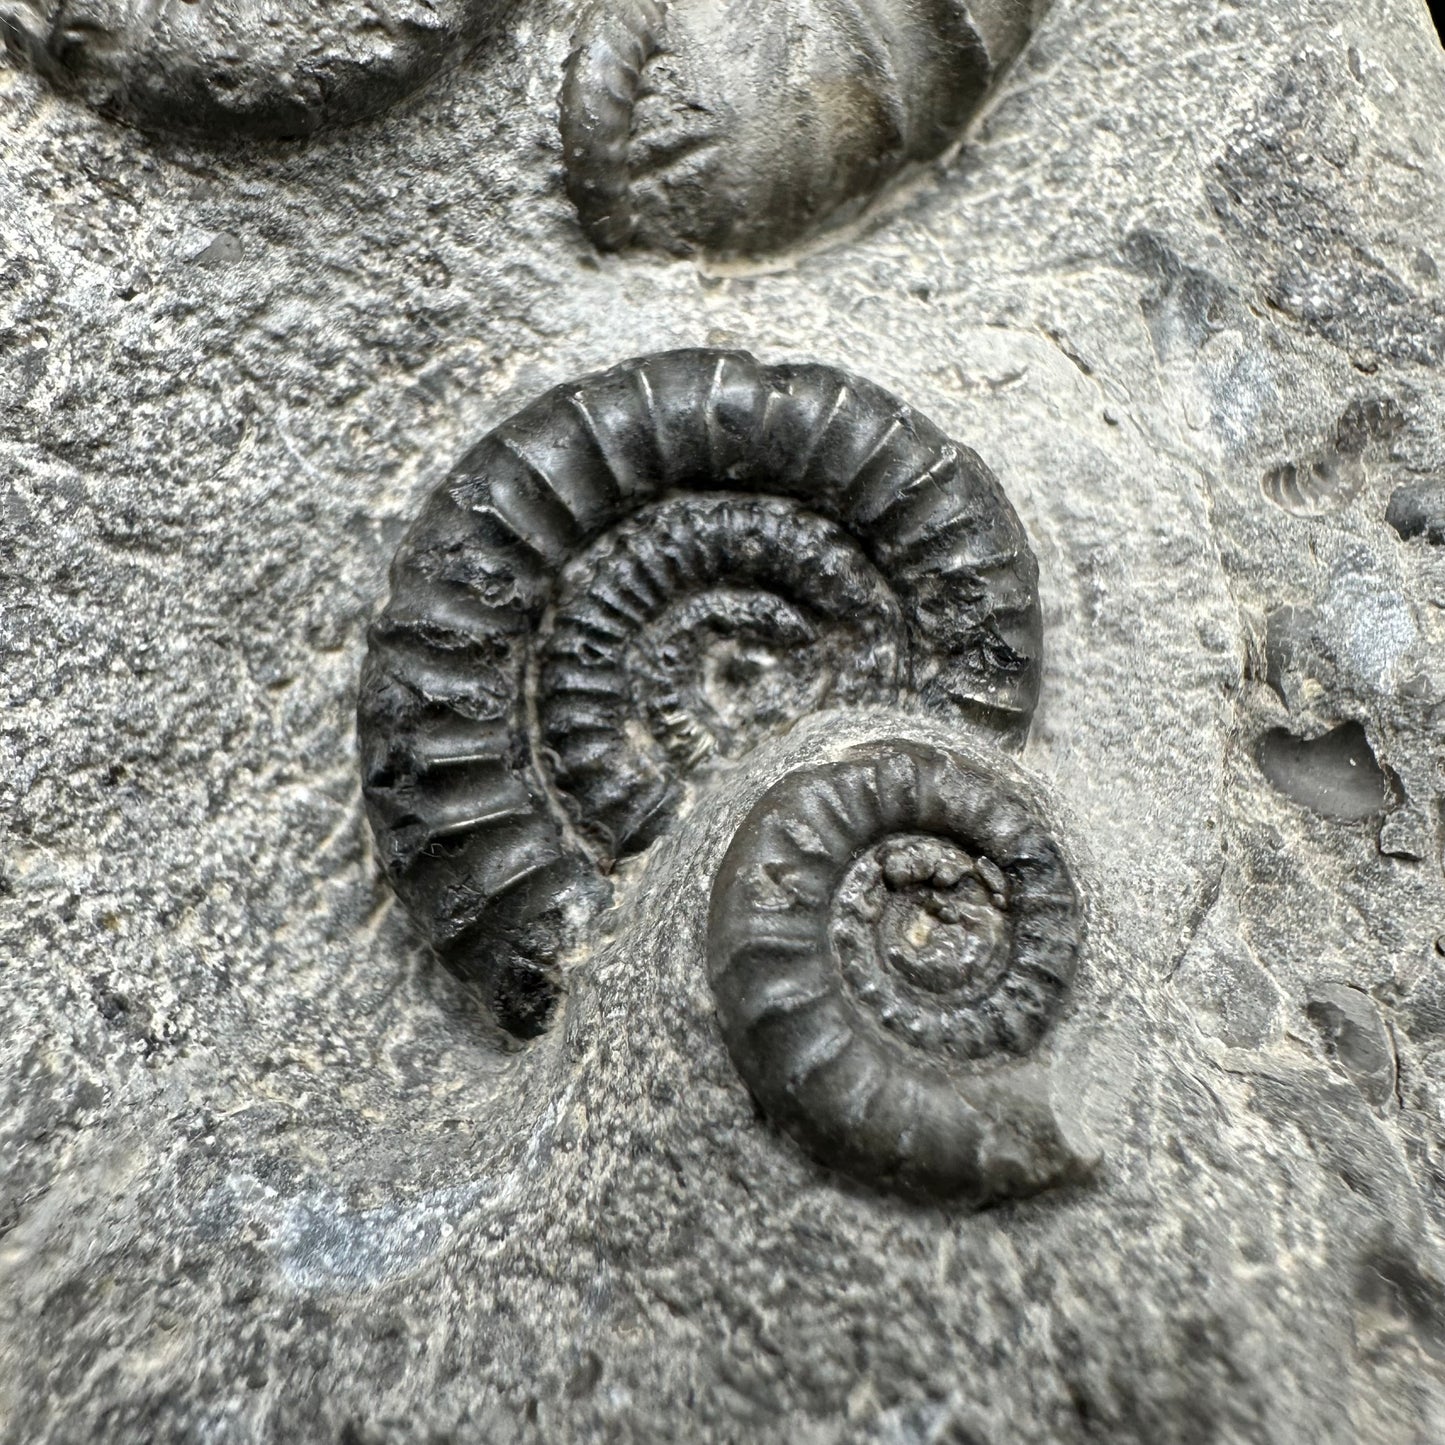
(858, 1098)
(468, 824)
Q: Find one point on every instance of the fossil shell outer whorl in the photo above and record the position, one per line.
(737, 128)
(237, 67)
(902, 1069)
(599, 91)
(910, 532)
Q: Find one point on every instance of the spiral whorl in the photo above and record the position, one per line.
(738, 127)
(613, 43)
(582, 614)
(704, 616)
(889, 934)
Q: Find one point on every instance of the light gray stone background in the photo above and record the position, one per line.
(265, 1172)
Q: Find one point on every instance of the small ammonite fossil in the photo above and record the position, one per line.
(266, 68)
(629, 584)
(738, 127)
(890, 935)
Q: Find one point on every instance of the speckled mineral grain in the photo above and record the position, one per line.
(269, 1173)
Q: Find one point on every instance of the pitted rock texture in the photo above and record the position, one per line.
(268, 1175)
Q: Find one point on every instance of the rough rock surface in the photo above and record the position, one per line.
(267, 1173)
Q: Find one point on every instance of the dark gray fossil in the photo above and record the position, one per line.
(240, 67)
(723, 617)
(632, 580)
(738, 128)
(884, 931)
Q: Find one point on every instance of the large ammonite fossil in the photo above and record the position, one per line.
(889, 934)
(269, 68)
(626, 586)
(737, 127)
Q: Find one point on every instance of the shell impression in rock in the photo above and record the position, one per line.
(737, 127)
(890, 936)
(268, 68)
(630, 583)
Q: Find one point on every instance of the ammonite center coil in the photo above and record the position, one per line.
(628, 584)
(890, 935)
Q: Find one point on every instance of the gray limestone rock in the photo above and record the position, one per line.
(271, 1173)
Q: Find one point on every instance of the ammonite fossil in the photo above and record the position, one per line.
(889, 935)
(240, 67)
(627, 585)
(736, 127)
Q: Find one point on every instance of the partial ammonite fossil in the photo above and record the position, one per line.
(240, 67)
(738, 127)
(630, 583)
(891, 935)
